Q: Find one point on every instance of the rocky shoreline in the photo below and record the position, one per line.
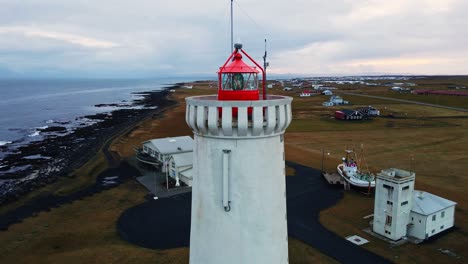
(43, 162)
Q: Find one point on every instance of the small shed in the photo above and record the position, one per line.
(430, 215)
(347, 114)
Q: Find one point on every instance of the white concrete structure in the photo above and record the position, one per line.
(430, 215)
(400, 211)
(393, 202)
(161, 149)
(238, 192)
(178, 163)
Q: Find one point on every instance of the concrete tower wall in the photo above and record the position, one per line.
(238, 192)
(393, 203)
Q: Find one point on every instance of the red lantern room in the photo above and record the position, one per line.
(238, 81)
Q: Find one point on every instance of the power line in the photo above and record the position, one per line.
(251, 19)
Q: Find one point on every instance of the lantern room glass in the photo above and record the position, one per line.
(239, 81)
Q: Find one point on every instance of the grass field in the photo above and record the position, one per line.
(430, 141)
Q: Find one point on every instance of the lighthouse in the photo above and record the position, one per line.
(239, 191)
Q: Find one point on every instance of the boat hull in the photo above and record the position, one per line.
(353, 180)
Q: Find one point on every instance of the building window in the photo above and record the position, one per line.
(412, 218)
(388, 186)
(442, 214)
(433, 231)
(405, 188)
(441, 227)
(403, 203)
(419, 220)
(390, 202)
(433, 217)
(388, 221)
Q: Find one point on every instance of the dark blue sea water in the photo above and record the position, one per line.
(26, 105)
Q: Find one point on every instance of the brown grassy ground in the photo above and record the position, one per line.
(85, 230)
(430, 141)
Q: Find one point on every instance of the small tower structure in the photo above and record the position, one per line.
(238, 190)
(393, 202)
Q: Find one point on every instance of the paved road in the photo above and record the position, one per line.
(165, 223)
(409, 102)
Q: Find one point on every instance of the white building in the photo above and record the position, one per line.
(400, 211)
(430, 215)
(327, 92)
(335, 100)
(305, 94)
(393, 201)
(180, 163)
(239, 189)
(161, 149)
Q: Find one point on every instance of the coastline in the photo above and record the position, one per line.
(58, 156)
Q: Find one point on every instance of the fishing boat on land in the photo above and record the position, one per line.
(350, 171)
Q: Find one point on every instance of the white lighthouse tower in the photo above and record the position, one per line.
(239, 192)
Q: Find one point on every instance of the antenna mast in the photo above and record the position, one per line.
(232, 29)
(265, 63)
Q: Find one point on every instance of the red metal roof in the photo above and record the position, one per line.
(441, 92)
(238, 66)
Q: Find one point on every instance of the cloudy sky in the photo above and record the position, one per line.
(152, 38)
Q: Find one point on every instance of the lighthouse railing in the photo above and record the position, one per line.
(268, 117)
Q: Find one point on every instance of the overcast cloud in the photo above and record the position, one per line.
(153, 38)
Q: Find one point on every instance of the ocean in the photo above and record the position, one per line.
(29, 105)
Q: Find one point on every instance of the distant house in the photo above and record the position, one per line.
(335, 100)
(440, 92)
(305, 93)
(180, 163)
(270, 85)
(287, 89)
(159, 151)
(347, 114)
(370, 111)
(327, 92)
(396, 88)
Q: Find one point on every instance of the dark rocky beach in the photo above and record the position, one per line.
(63, 150)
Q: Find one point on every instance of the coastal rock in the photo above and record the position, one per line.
(56, 129)
(85, 141)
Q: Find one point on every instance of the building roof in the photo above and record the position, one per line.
(425, 203)
(188, 173)
(183, 159)
(171, 145)
(350, 112)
